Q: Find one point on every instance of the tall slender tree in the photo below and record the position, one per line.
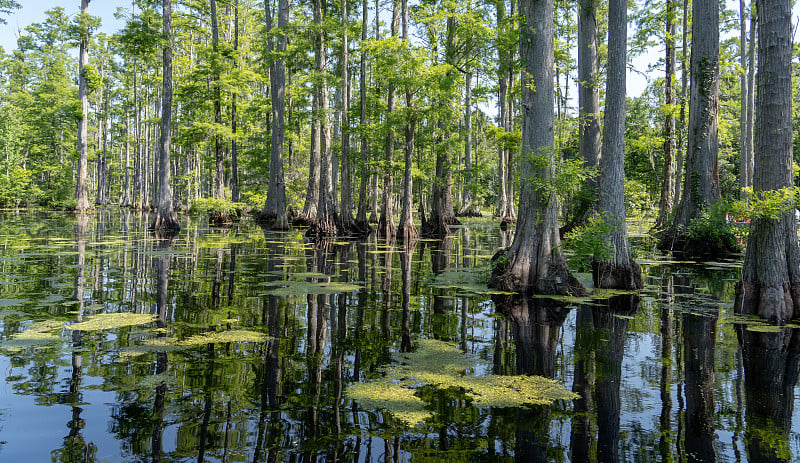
(617, 270)
(407, 231)
(386, 225)
(219, 183)
(81, 189)
(770, 285)
(274, 211)
(667, 183)
(534, 262)
(361, 215)
(165, 218)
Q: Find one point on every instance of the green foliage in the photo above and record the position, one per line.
(770, 204)
(587, 242)
(216, 206)
(638, 202)
(713, 227)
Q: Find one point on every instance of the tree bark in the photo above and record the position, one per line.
(618, 270)
(165, 218)
(386, 225)
(588, 103)
(327, 222)
(361, 215)
(681, 149)
(219, 183)
(534, 262)
(469, 208)
(274, 211)
(348, 224)
(770, 285)
(667, 185)
(407, 231)
(234, 147)
(81, 190)
(749, 154)
(701, 183)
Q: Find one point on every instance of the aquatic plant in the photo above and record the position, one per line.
(108, 321)
(443, 366)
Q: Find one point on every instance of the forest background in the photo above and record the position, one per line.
(447, 77)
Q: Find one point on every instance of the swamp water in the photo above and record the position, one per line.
(244, 345)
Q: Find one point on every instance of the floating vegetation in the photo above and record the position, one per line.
(472, 281)
(108, 321)
(37, 334)
(169, 344)
(301, 288)
(444, 366)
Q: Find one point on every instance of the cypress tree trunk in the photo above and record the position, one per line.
(346, 213)
(165, 218)
(234, 147)
(407, 231)
(468, 209)
(81, 190)
(386, 225)
(667, 186)
(327, 221)
(618, 270)
(534, 262)
(361, 215)
(770, 285)
(274, 211)
(681, 149)
(751, 103)
(503, 209)
(219, 183)
(588, 104)
(701, 184)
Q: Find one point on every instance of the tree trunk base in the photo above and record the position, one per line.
(470, 210)
(407, 233)
(373, 218)
(775, 303)
(303, 220)
(683, 245)
(220, 219)
(386, 228)
(165, 222)
(320, 229)
(610, 276)
(435, 228)
(272, 221)
(556, 279)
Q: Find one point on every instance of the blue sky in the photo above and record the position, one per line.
(32, 11)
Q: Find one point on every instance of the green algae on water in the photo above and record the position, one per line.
(108, 321)
(444, 366)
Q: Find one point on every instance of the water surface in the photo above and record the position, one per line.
(254, 337)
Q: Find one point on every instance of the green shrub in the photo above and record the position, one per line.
(712, 227)
(587, 242)
(214, 206)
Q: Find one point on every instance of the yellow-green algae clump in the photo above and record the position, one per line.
(444, 366)
(107, 321)
(167, 344)
(38, 333)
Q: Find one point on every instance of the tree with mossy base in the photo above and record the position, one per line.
(165, 218)
(701, 183)
(619, 270)
(770, 285)
(534, 262)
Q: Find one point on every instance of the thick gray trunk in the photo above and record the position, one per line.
(744, 171)
(407, 231)
(274, 211)
(165, 218)
(588, 91)
(770, 285)
(701, 184)
(361, 215)
(618, 270)
(534, 261)
(386, 225)
(667, 185)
